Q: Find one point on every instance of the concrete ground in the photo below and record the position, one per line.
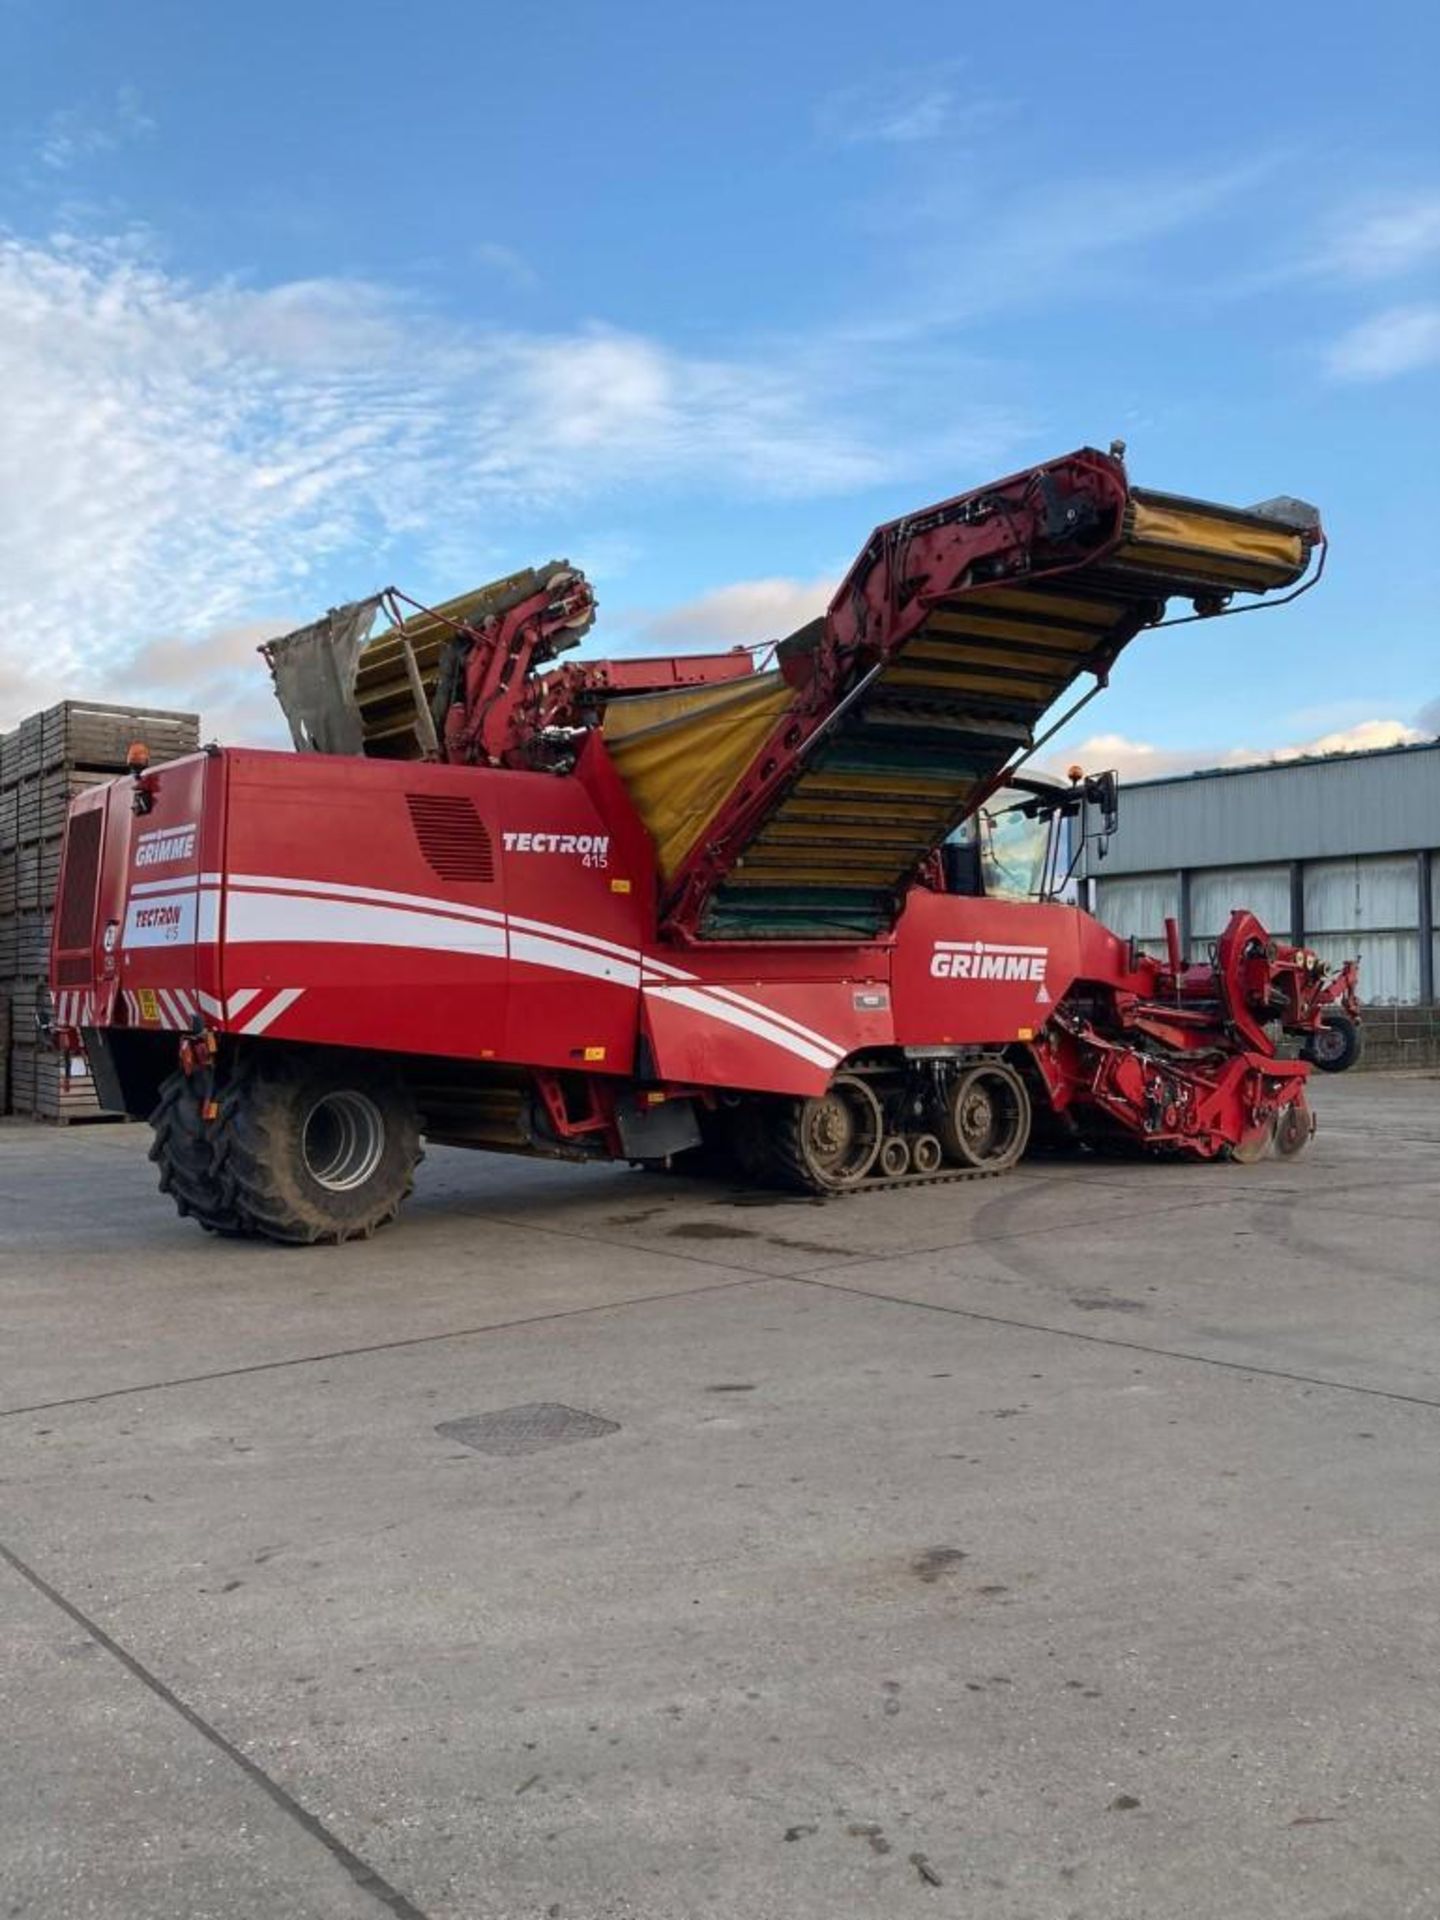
(1067, 1545)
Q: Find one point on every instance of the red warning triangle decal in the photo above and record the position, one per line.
(1042, 996)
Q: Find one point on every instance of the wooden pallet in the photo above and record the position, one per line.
(87, 734)
(29, 877)
(24, 947)
(40, 1089)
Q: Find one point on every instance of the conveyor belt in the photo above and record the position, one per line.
(929, 731)
(382, 688)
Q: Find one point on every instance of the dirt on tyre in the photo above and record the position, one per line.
(184, 1150)
(828, 1143)
(315, 1149)
(985, 1122)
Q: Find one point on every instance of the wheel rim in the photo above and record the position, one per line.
(989, 1117)
(840, 1132)
(1328, 1042)
(343, 1141)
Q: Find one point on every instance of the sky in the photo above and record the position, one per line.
(297, 301)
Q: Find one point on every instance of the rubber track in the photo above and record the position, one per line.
(946, 1177)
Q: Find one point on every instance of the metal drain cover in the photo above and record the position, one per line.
(528, 1429)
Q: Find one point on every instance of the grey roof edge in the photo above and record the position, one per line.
(1282, 766)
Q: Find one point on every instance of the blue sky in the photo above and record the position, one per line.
(298, 300)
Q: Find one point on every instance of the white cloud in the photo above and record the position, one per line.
(902, 109)
(1383, 241)
(507, 262)
(181, 457)
(77, 134)
(218, 675)
(1139, 760)
(744, 613)
(968, 251)
(1400, 340)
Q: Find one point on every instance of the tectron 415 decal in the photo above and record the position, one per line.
(593, 848)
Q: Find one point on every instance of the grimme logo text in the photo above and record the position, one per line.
(987, 960)
(163, 844)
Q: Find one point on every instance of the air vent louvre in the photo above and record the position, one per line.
(452, 836)
(82, 872)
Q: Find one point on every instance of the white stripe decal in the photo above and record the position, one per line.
(209, 1004)
(451, 909)
(733, 1016)
(272, 1010)
(376, 896)
(769, 1013)
(576, 938)
(532, 951)
(302, 920)
(280, 909)
(986, 946)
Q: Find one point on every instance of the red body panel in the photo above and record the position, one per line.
(293, 897)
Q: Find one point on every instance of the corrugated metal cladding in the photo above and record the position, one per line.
(1350, 847)
(1306, 810)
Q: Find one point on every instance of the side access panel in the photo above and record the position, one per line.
(363, 905)
(713, 1023)
(977, 972)
(575, 892)
(151, 920)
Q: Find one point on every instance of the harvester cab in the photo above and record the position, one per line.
(1029, 840)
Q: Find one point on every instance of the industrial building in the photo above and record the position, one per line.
(1341, 854)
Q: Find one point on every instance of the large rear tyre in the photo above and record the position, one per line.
(314, 1148)
(829, 1143)
(184, 1151)
(1336, 1046)
(985, 1123)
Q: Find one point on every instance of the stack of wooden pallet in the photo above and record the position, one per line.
(44, 763)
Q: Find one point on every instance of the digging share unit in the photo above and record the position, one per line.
(644, 909)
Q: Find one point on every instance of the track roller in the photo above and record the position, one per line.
(894, 1156)
(985, 1123)
(828, 1143)
(926, 1153)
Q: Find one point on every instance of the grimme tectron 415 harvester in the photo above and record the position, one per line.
(643, 908)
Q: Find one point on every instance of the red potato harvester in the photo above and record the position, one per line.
(640, 909)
